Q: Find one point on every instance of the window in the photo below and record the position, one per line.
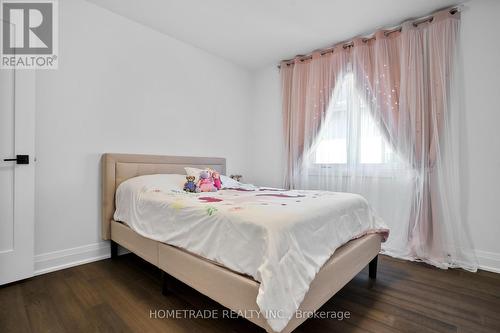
(350, 134)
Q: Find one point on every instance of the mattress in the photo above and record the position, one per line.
(279, 238)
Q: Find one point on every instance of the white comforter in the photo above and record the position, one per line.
(280, 238)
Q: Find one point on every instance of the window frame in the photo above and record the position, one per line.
(354, 164)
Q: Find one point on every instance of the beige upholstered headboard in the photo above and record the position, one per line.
(117, 168)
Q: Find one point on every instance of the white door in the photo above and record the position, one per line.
(17, 128)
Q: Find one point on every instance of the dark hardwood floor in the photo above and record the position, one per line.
(118, 295)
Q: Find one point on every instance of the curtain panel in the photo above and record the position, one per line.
(306, 92)
(400, 89)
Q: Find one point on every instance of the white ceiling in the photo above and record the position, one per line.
(256, 33)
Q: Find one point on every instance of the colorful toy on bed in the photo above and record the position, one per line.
(217, 181)
(206, 182)
(190, 186)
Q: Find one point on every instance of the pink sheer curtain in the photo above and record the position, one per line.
(307, 88)
(408, 80)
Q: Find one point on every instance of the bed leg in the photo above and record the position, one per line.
(372, 268)
(114, 249)
(166, 283)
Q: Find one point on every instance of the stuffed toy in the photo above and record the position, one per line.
(216, 178)
(190, 186)
(205, 182)
(236, 177)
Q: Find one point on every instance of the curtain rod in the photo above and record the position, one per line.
(416, 22)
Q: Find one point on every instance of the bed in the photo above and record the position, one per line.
(230, 288)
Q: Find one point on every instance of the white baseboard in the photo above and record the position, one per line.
(488, 261)
(54, 261)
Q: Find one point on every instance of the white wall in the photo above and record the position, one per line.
(481, 139)
(266, 143)
(122, 87)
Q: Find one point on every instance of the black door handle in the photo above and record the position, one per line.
(20, 159)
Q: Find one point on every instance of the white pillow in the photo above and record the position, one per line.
(130, 190)
(228, 182)
(163, 182)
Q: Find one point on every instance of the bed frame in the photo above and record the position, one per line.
(231, 289)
